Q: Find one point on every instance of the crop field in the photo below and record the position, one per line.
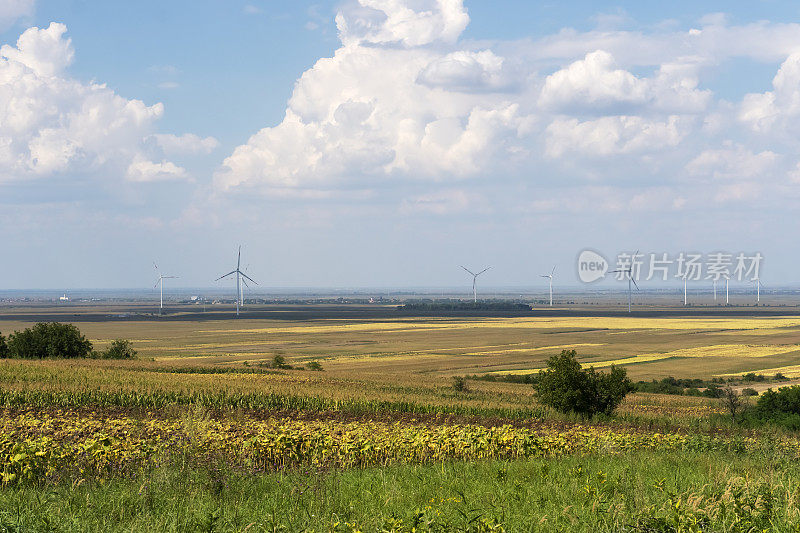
(201, 433)
(441, 347)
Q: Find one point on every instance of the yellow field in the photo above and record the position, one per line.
(437, 348)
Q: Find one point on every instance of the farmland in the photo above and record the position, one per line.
(200, 432)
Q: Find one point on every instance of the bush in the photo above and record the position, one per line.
(119, 349)
(279, 361)
(567, 387)
(48, 340)
(3, 348)
(314, 365)
(780, 377)
(749, 392)
(460, 384)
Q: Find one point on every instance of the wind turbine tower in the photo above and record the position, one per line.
(628, 272)
(240, 277)
(475, 281)
(160, 281)
(685, 300)
(550, 277)
(758, 290)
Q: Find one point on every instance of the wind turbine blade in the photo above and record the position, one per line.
(155, 265)
(245, 283)
(544, 276)
(634, 284)
(553, 271)
(226, 275)
(157, 282)
(482, 271)
(248, 277)
(170, 277)
(468, 270)
(239, 258)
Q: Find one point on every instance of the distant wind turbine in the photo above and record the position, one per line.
(240, 276)
(685, 299)
(161, 278)
(726, 291)
(629, 273)
(758, 290)
(475, 281)
(550, 277)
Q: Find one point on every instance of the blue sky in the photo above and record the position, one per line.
(372, 142)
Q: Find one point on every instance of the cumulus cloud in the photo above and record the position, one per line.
(779, 107)
(394, 21)
(377, 112)
(595, 83)
(617, 135)
(52, 124)
(405, 99)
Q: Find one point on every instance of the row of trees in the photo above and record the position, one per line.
(54, 340)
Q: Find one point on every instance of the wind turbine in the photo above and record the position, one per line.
(715, 290)
(161, 278)
(629, 273)
(475, 281)
(685, 300)
(550, 277)
(726, 290)
(758, 290)
(239, 276)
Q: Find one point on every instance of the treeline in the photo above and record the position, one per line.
(713, 388)
(53, 340)
(430, 307)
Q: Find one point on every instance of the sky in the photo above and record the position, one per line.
(383, 143)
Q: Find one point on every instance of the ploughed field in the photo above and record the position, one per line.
(200, 433)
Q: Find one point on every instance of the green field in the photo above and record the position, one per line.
(199, 433)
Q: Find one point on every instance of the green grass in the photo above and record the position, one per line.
(634, 492)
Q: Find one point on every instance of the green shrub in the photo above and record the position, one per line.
(749, 392)
(460, 384)
(119, 349)
(279, 361)
(3, 348)
(567, 387)
(48, 340)
(314, 365)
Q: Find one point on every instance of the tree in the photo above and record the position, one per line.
(3, 348)
(119, 349)
(732, 401)
(567, 387)
(48, 340)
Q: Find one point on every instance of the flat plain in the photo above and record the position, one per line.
(201, 432)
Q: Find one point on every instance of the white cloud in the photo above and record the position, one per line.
(594, 83)
(188, 143)
(13, 10)
(143, 170)
(779, 107)
(377, 112)
(393, 21)
(616, 135)
(51, 124)
(733, 162)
